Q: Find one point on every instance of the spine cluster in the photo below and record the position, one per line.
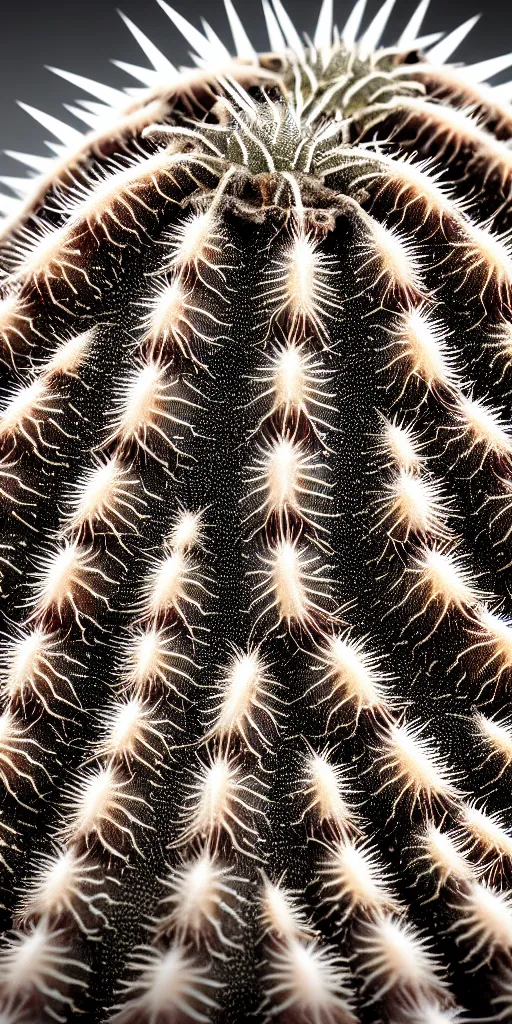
(255, 492)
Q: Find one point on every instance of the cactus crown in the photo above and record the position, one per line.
(255, 480)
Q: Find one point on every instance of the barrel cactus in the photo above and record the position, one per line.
(256, 501)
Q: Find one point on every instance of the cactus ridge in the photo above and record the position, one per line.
(256, 504)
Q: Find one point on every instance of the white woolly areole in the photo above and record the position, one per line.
(401, 444)
(70, 355)
(27, 402)
(486, 426)
(152, 659)
(354, 672)
(444, 855)
(101, 805)
(323, 788)
(415, 504)
(280, 913)
(354, 876)
(484, 921)
(487, 830)
(64, 884)
(310, 979)
(422, 341)
(31, 962)
(167, 984)
(497, 734)
(26, 657)
(445, 579)
(222, 800)
(187, 531)
(204, 894)
(395, 955)
(412, 765)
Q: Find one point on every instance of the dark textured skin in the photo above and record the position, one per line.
(428, 683)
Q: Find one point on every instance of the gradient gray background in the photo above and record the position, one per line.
(82, 35)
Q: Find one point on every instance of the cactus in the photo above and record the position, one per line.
(256, 501)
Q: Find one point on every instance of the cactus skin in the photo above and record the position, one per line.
(256, 647)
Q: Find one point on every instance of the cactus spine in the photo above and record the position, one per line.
(256, 502)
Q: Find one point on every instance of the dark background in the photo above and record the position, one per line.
(84, 35)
